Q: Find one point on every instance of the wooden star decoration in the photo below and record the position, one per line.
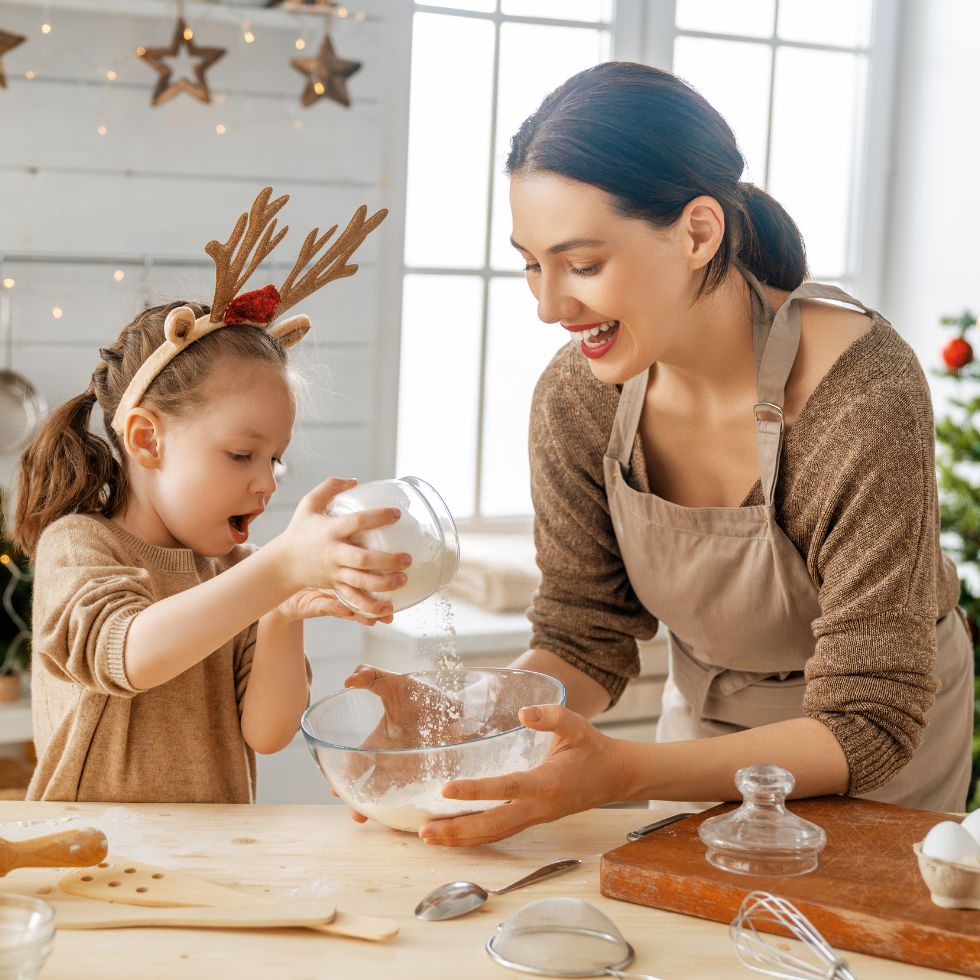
(166, 88)
(7, 43)
(326, 75)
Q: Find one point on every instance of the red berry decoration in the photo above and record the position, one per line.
(957, 353)
(258, 306)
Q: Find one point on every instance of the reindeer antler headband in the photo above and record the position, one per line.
(254, 232)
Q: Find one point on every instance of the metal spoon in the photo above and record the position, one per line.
(459, 897)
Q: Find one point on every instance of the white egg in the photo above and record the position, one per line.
(971, 824)
(948, 841)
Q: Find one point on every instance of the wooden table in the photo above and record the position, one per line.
(308, 850)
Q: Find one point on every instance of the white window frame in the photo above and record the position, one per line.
(644, 31)
(871, 169)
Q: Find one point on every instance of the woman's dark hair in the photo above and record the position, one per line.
(68, 469)
(651, 141)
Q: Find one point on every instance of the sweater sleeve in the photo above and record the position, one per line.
(870, 680)
(85, 599)
(584, 610)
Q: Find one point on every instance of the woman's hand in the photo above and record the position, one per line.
(312, 603)
(584, 769)
(320, 554)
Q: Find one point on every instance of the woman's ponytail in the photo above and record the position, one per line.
(65, 470)
(770, 245)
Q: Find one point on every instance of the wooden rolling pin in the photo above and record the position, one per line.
(80, 848)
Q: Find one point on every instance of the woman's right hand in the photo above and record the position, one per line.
(320, 552)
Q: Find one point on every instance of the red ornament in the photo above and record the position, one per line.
(957, 353)
(258, 306)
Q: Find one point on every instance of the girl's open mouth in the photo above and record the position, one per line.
(239, 527)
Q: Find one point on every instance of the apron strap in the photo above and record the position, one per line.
(775, 341)
(627, 419)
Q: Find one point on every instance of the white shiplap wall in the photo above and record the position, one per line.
(147, 196)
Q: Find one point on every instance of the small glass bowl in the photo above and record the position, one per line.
(390, 759)
(425, 530)
(26, 935)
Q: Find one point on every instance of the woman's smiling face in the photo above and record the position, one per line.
(623, 281)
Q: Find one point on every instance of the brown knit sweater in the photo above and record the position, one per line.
(856, 496)
(99, 739)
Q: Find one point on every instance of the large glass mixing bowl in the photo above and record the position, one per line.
(389, 759)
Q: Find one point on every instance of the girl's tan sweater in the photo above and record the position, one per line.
(97, 737)
(856, 496)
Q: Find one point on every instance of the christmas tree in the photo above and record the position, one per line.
(958, 464)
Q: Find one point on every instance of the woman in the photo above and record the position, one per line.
(719, 450)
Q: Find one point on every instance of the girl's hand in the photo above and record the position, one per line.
(584, 769)
(319, 552)
(311, 603)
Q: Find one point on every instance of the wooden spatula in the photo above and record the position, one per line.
(68, 849)
(134, 883)
(105, 915)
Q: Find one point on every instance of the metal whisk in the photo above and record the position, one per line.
(757, 951)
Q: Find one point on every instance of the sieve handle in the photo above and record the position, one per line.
(546, 872)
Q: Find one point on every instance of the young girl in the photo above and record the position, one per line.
(167, 651)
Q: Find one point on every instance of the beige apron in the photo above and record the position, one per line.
(738, 601)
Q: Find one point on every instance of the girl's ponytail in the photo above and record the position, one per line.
(65, 470)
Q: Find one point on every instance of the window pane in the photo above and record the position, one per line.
(534, 60)
(439, 380)
(519, 347)
(481, 6)
(449, 141)
(816, 133)
(594, 10)
(734, 77)
(844, 22)
(751, 18)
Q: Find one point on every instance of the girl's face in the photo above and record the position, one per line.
(216, 470)
(619, 286)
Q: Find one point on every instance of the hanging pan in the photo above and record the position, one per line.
(21, 405)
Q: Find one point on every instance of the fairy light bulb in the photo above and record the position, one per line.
(57, 312)
(118, 275)
(188, 34)
(4, 559)
(318, 88)
(247, 36)
(300, 44)
(103, 130)
(342, 12)
(220, 129)
(111, 75)
(140, 51)
(45, 28)
(360, 16)
(9, 283)
(30, 74)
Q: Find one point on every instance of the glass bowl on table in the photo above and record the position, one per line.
(389, 759)
(26, 935)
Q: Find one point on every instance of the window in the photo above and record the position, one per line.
(471, 343)
(806, 87)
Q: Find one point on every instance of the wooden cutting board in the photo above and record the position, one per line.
(866, 895)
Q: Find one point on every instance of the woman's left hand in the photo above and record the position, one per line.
(311, 603)
(584, 769)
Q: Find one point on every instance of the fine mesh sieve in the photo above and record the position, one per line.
(562, 937)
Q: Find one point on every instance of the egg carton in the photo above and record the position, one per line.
(951, 884)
